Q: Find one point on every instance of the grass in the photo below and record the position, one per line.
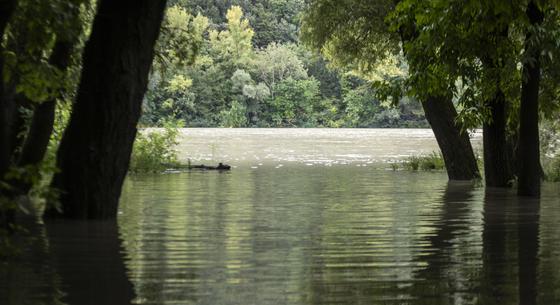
(430, 162)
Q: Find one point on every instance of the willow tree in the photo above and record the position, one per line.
(355, 34)
(94, 152)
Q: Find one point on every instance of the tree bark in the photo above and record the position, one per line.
(94, 153)
(37, 140)
(441, 114)
(454, 144)
(529, 150)
(497, 172)
(7, 8)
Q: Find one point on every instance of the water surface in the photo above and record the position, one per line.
(311, 146)
(301, 233)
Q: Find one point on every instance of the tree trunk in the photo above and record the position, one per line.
(497, 172)
(529, 151)
(455, 145)
(94, 153)
(7, 8)
(441, 114)
(37, 140)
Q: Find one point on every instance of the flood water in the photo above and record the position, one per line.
(299, 225)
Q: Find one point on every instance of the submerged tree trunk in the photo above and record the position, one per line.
(94, 153)
(454, 144)
(7, 8)
(497, 172)
(529, 150)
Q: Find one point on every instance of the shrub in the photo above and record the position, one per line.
(433, 161)
(552, 169)
(154, 149)
(412, 163)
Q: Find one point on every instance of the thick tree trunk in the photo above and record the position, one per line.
(7, 8)
(94, 153)
(497, 172)
(455, 145)
(529, 150)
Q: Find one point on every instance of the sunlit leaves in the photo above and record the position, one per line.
(32, 33)
(181, 37)
(277, 62)
(236, 41)
(179, 83)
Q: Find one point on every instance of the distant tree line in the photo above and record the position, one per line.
(240, 64)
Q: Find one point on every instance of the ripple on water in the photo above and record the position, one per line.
(339, 235)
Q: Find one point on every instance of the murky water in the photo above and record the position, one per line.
(299, 234)
(312, 146)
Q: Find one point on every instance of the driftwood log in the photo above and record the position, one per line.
(220, 167)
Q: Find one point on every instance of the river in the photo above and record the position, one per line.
(306, 216)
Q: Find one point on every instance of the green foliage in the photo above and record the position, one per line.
(30, 39)
(550, 148)
(154, 149)
(350, 33)
(235, 116)
(552, 169)
(277, 84)
(433, 161)
(181, 36)
(294, 102)
(234, 43)
(272, 20)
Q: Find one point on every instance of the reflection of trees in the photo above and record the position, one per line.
(528, 251)
(154, 225)
(511, 246)
(29, 277)
(498, 277)
(549, 248)
(145, 237)
(327, 236)
(368, 237)
(187, 236)
(445, 279)
(87, 256)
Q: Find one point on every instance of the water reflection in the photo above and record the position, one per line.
(298, 235)
(88, 261)
(28, 275)
(451, 250)
(499, 276)
(528, 234)
(310, 235)
(65, 262)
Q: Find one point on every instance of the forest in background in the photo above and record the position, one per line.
(241, 64)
